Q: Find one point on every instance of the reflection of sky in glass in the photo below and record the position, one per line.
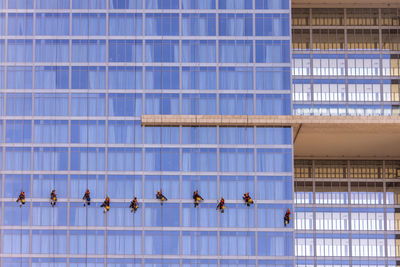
(71, 121)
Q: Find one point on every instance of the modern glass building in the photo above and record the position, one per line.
(77, 75)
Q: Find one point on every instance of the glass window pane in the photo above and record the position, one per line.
(52, 24)
(52, 4)
(18, 131)
(88, 51)
(194, 4)
(85, 24)
(125, 24)
(235, 24)
(198, 24)
(162, 24)
(92, 4)
(19, 77)
(51, 78)
(125, 4)
(20, 24)
(18, 50)
(19, 104)
(88, 105)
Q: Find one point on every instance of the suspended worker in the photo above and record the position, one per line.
(106, 204)
(21, 198)
(86, 198)
(247, 199)
(134, 205)
(221, 205)
(53, 198)
(161, 197)
(287, 218)
(197, 198)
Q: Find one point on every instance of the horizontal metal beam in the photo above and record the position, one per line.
(159, 256)
(372, 137)
(262, 120)
(214, 120)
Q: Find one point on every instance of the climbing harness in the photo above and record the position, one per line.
(287, 218)
(161, 197)
(197, 198)
(106, 205)
(21, 199)
(247, 199)
(134, 205)
(221, 205)
(86, 198)
(53, 198)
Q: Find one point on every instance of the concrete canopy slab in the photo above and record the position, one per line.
(352, 140)
(314, 137)
(343, 3)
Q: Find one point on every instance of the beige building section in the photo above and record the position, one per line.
(344, 3)
(313, 137)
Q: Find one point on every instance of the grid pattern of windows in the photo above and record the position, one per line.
(347, 209)
(76, 75)
(342, 70)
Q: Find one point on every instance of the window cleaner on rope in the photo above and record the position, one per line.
(53, 198)
(134, 205)
(161, 197)
(247, 199)
(221, 205)
(197, 198)
(86, 198)
(21, 199)
(286, 219)
(106, 205)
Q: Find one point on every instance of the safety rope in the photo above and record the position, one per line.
(54, 141)
(124, 70)
(246, 129)
(134, 139)
(197, 210)
(248, 252)
(87, 131)
(23, 139)
(236, 131)
(161, 132)
(123, 123)
(106, 151)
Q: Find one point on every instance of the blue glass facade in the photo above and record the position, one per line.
(76, 76)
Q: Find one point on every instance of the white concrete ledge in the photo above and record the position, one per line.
(374, 137)
(261, 120)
